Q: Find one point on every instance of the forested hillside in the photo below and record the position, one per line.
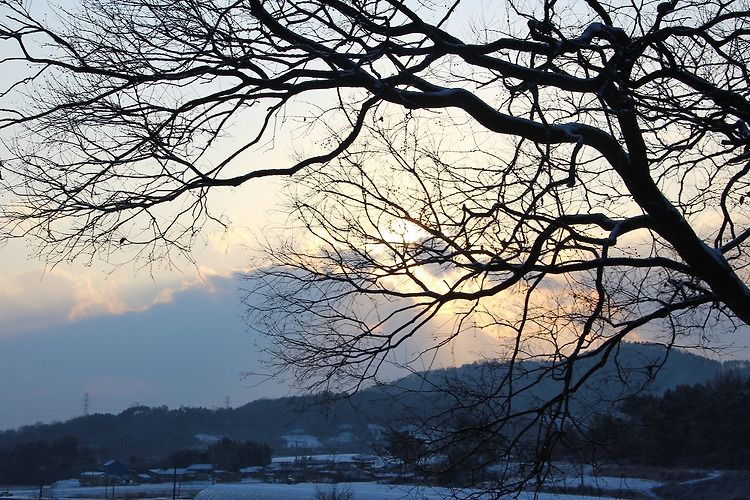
(695, 403)
(693, 426)
(144, 433)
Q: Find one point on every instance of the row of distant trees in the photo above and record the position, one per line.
(44, 462)
(146, 434)
(225, 454)
(691, 426)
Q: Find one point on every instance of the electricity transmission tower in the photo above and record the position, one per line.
(86, 403)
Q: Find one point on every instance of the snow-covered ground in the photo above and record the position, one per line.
(360, 491)
(257, 491)
(617, 486)
(71, 488)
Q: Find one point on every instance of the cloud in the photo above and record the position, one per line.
(91, 300)
(232, 242)
(37, 298)
(33, 299)
(191, 350)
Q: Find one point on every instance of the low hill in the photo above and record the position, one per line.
(295, 425)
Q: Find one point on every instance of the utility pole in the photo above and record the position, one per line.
(227, 402)
(174, 483)
(42, 474)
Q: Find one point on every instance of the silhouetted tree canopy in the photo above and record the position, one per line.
(44, 462)
(690, 426)
(224, 454)
(551, 176)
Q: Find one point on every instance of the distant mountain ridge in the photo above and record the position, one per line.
(293, 425)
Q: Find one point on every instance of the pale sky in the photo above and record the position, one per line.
(129, 335)
(126, 336)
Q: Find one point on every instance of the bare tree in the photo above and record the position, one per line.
(557, 177)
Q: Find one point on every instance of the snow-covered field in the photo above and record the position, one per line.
(360, 491)
(72, 489)
(256, 491)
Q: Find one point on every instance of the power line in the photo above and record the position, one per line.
(52, 406)
(14, 418)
